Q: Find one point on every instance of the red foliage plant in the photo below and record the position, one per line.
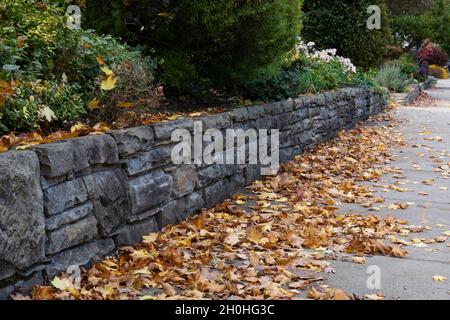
(430, 53)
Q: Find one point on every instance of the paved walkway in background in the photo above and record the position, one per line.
(427, 135)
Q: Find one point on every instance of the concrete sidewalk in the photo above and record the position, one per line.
(426, 158)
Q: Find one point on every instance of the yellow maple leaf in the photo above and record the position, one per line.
(109, 83)
(151, 238)
(107, 71)
(61, 284)
(93, 104)
(107, 291)
(100, 60)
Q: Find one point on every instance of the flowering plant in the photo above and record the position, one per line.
(325, 56)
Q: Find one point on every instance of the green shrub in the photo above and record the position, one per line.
(224, 42)
(51, 73)
(439, 18)
(408, 6)
(430, 21)
(310, 71)
(409, 28)
(392, 77)
(343, 25)
(407, 64)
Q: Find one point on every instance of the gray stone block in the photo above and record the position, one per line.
(71, 235)
(232, 169)
(68, 217)
(256, 112)
(149, 160)
(209, 175)
(222, 190)
(164, 130)
(109, 193)
(6, 292)
(24, 286)
(320, 100)
(6, 270)
(22, 221)
(143, 216)
(149, 190)
(280, 122)
(305, 138)
(132, 234)
(64, 196)
(178, 210)
(56, 159)
(239, 115)
(80, 256)
(184, 180)
(94, 150)
(217, 121)
(279, 107)
(133, 140)
(298, 115)
(298, 103)
(286, 138)
(252, 173)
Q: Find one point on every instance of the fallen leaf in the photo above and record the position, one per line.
(359, 260)
(93, 104)
(439, 278)
(377, 296)
(62, 284)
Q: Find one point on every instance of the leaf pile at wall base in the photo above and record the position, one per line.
(272, 242)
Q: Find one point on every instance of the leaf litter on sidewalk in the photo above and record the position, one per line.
(271, 242)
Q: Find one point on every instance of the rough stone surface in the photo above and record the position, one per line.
(68, 217)
(56, 159)
(80, 256)
(64, 196)
(216, 121)
(22, 222)
(210, 175)
(109, 193)
(93, 151)
(184, 180)
(149, 190)
(178, 210)
(221, 189)
(71, 235)
(133, 140)
(164, 130)
(132, 234)
(149, 160)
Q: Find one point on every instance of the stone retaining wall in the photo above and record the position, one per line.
(73, 202)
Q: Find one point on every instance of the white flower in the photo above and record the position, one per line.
(324, 56)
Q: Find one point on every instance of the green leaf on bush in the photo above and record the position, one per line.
(10, 67)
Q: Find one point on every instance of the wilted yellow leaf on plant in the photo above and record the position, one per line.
(93, 104)
(47, 114)
(107, 71)
(100, 60)
(109, 83)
